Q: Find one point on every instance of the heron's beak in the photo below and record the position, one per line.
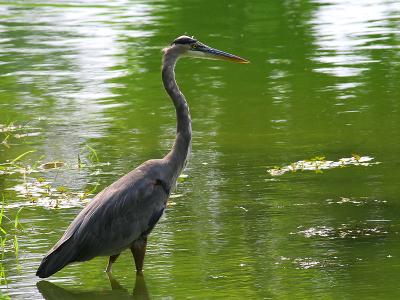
(203, 51)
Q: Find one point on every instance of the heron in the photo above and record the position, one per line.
(123, 214)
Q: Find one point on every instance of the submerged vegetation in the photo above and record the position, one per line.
(18, 131)
(35, 185)
(43, 190)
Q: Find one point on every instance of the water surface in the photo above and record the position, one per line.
(323, 82)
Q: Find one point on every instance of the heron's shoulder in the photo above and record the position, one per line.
(151, 165)
(136, 179)
(151, 169)
(135, 184)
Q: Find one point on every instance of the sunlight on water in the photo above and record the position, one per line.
(346, 32)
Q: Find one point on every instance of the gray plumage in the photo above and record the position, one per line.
(123, 214)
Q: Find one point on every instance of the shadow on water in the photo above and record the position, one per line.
(50, 291)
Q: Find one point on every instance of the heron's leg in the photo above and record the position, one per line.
(114, 283)
(111, 260)
(139, 250)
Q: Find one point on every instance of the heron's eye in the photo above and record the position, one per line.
(194, 46)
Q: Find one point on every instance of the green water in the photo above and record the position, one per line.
(323, 82)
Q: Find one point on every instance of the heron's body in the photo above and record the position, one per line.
(123, 214)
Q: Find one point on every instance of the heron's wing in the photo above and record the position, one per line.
(120, 214)
(124, 213)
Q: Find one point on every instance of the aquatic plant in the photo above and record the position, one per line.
(41, 192)
(52, 165)
(319, 163)
(354, 230)
(4, 237)
(45, 192)
(10, 127)
(93, 154)
(2, 230)
(17, 131)
(4, 142)
(14, 166)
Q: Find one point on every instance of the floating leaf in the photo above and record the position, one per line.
(52, 165)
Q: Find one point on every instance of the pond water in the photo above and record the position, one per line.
(81, 97)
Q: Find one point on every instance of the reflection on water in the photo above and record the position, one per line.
(323, 82)
(71, 56)
(51, 291)
(346, 33)
(349, 37)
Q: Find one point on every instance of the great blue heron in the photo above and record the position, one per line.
(123, 214)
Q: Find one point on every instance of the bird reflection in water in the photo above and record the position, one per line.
(50, 291)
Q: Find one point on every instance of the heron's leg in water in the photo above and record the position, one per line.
(111, 260)
(139, 250)
(114, 283)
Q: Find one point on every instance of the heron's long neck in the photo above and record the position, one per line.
(178, 155)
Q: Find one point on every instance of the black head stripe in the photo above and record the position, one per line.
(184, 40)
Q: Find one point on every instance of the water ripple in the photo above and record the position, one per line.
(345, 30)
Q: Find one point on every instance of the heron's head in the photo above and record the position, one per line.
(190, 47)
